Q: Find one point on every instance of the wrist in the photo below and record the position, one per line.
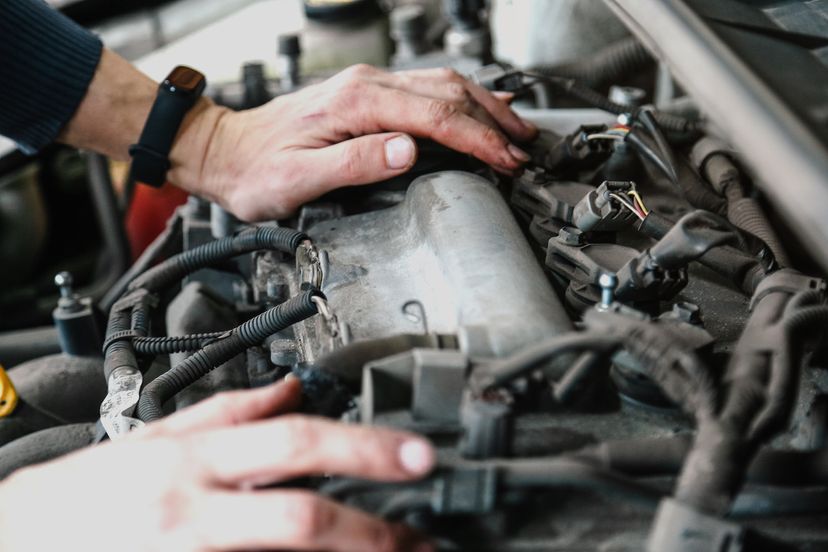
(191, 148)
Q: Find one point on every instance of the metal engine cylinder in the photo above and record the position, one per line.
(449, 259)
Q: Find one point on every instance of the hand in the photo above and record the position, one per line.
(354, 128)
(188, 482)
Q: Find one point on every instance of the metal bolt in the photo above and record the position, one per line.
(64, 281)
(607, 281)
(571, 236)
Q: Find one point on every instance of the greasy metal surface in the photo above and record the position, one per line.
(449, 259)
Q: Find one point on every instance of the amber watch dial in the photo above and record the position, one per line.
(185, 80)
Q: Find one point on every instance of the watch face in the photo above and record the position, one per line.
(185, 80)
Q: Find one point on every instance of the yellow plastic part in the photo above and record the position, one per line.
(8, 394)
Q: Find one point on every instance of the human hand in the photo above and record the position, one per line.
(187, 483)
(354, 128)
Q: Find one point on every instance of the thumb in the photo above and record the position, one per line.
(363, 160)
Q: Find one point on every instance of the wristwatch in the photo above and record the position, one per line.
(177, 94)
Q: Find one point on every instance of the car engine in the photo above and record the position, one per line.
(618, 349)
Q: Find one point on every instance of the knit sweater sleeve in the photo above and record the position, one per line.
(46, 64)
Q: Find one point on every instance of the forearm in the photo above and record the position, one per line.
(113, 112)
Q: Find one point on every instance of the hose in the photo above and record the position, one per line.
(689, 184)
(120, 352)
(178, 266)
(697, 232)
(564, 472)
(251, 333)
(155, 346)
(615, 61)
(743, 211)
(742, 269)
(579, 91)
(664, 456)
(502, 372)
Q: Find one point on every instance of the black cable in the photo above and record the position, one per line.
(577, 377)
(573, 88)
(249, 334)
(501, 372)
(646, 117)
(617, 60)
(699, 231)
(167, 345)
(175, 268)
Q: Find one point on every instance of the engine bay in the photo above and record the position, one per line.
(618, 349)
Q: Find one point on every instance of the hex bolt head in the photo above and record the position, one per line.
(571, 236)
(64, 282)
(608, 280)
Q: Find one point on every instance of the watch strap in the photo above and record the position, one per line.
(150, 156)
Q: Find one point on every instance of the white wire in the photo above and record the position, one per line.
(604, 136)
(626, 204)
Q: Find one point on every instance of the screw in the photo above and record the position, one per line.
(570, 236)
(64, 281)
(607, 281)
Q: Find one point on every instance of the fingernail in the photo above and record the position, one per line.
(518, 153)
(399, 152)
(290, 376)
(529, 125)
(417, 456)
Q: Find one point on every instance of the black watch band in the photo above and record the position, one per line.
(177, 94)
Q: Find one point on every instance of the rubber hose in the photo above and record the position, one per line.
(667, 121)
(175, 268)
(807, 318)
(744, 212)
(664, 456)
(250, 333)
(618, 60)
(747, 214)
(154, 346)
(743, 270)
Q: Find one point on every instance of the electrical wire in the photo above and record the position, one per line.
(638, 201)
(628, 205)
(605, 136)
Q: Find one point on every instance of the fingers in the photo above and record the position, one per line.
(383, 109)
(362, 160)
(298, 520)
(448, 85)
(293, 446)
(455, 93)
(509, 120)
(507, 97)
(231, 408)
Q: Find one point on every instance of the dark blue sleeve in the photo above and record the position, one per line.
(46, 64)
